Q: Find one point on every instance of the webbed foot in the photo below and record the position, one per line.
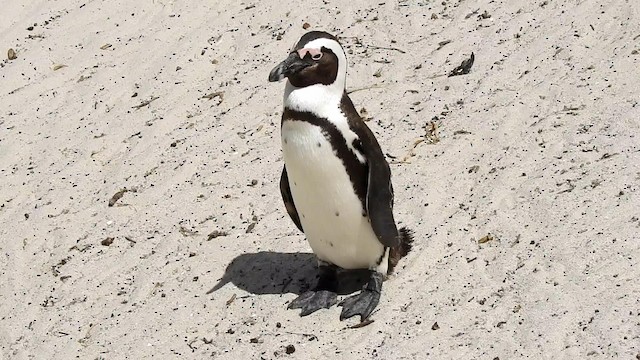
(312, 301)
(365, 302)
(322, 297)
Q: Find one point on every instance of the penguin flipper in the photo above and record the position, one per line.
(379, 200)
(285, 190)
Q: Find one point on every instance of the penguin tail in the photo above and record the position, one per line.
(406, 240)
(399, 251)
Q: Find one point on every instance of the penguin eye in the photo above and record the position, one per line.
(316, 56)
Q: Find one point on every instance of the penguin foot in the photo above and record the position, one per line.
(323, 296)
(312, 301)
(365, 302)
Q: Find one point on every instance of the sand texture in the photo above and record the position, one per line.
(140, 213)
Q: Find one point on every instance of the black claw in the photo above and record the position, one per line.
(365, 302)
(312, 301)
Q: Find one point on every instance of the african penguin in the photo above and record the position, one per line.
(336, 183)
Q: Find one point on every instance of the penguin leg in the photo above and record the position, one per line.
(366, 301)
(323, 296)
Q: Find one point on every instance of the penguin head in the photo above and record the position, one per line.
(316, 65)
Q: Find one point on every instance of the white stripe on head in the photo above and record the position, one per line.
(342, 59)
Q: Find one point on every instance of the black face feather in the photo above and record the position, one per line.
(307, 71)
(323, 71)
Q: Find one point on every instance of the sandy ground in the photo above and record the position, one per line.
(521, 179)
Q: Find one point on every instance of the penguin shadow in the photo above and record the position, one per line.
(281, 273)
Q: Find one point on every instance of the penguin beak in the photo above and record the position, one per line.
(290, 66)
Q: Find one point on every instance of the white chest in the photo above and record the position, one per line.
(331, 214)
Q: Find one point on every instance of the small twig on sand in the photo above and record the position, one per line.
(387, 48)
(231, 300)
(442, 43)
(362, 324)
(219, 94)
(307, 335)
(117, 197)
(374, 86)
(146, 102)
(431, 136)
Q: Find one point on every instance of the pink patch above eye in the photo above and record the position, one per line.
(315, 53)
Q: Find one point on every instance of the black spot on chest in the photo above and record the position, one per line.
(356, 170)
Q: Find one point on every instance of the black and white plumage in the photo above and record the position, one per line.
(336, 183)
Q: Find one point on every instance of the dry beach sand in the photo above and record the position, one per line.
(520, 179)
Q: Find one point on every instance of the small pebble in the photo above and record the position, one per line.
(290, 349)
